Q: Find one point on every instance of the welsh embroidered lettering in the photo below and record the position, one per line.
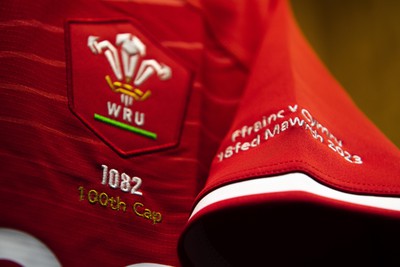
(274, 124)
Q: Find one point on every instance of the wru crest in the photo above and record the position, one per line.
(134, 71)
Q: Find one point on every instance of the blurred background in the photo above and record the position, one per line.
(359, 42)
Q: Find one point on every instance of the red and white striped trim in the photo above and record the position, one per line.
(293, 182)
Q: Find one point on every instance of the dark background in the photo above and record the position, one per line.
(359, 42)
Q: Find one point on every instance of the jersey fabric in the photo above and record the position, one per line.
(199, 133)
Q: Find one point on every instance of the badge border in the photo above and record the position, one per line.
(155, 42)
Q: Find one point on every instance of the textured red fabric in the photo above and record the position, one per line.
(245, 73)
(335, 143)
(50, 161)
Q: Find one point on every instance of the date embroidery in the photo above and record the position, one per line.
(346, 155)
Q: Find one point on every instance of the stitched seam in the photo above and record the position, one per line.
(258, 171)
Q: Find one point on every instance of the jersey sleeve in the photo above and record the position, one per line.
(302, 175)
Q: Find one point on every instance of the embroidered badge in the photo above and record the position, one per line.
(124, 86)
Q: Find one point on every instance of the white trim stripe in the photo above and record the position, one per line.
(292, 182)
(26, 250)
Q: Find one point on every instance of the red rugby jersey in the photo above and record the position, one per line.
(172, 133)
